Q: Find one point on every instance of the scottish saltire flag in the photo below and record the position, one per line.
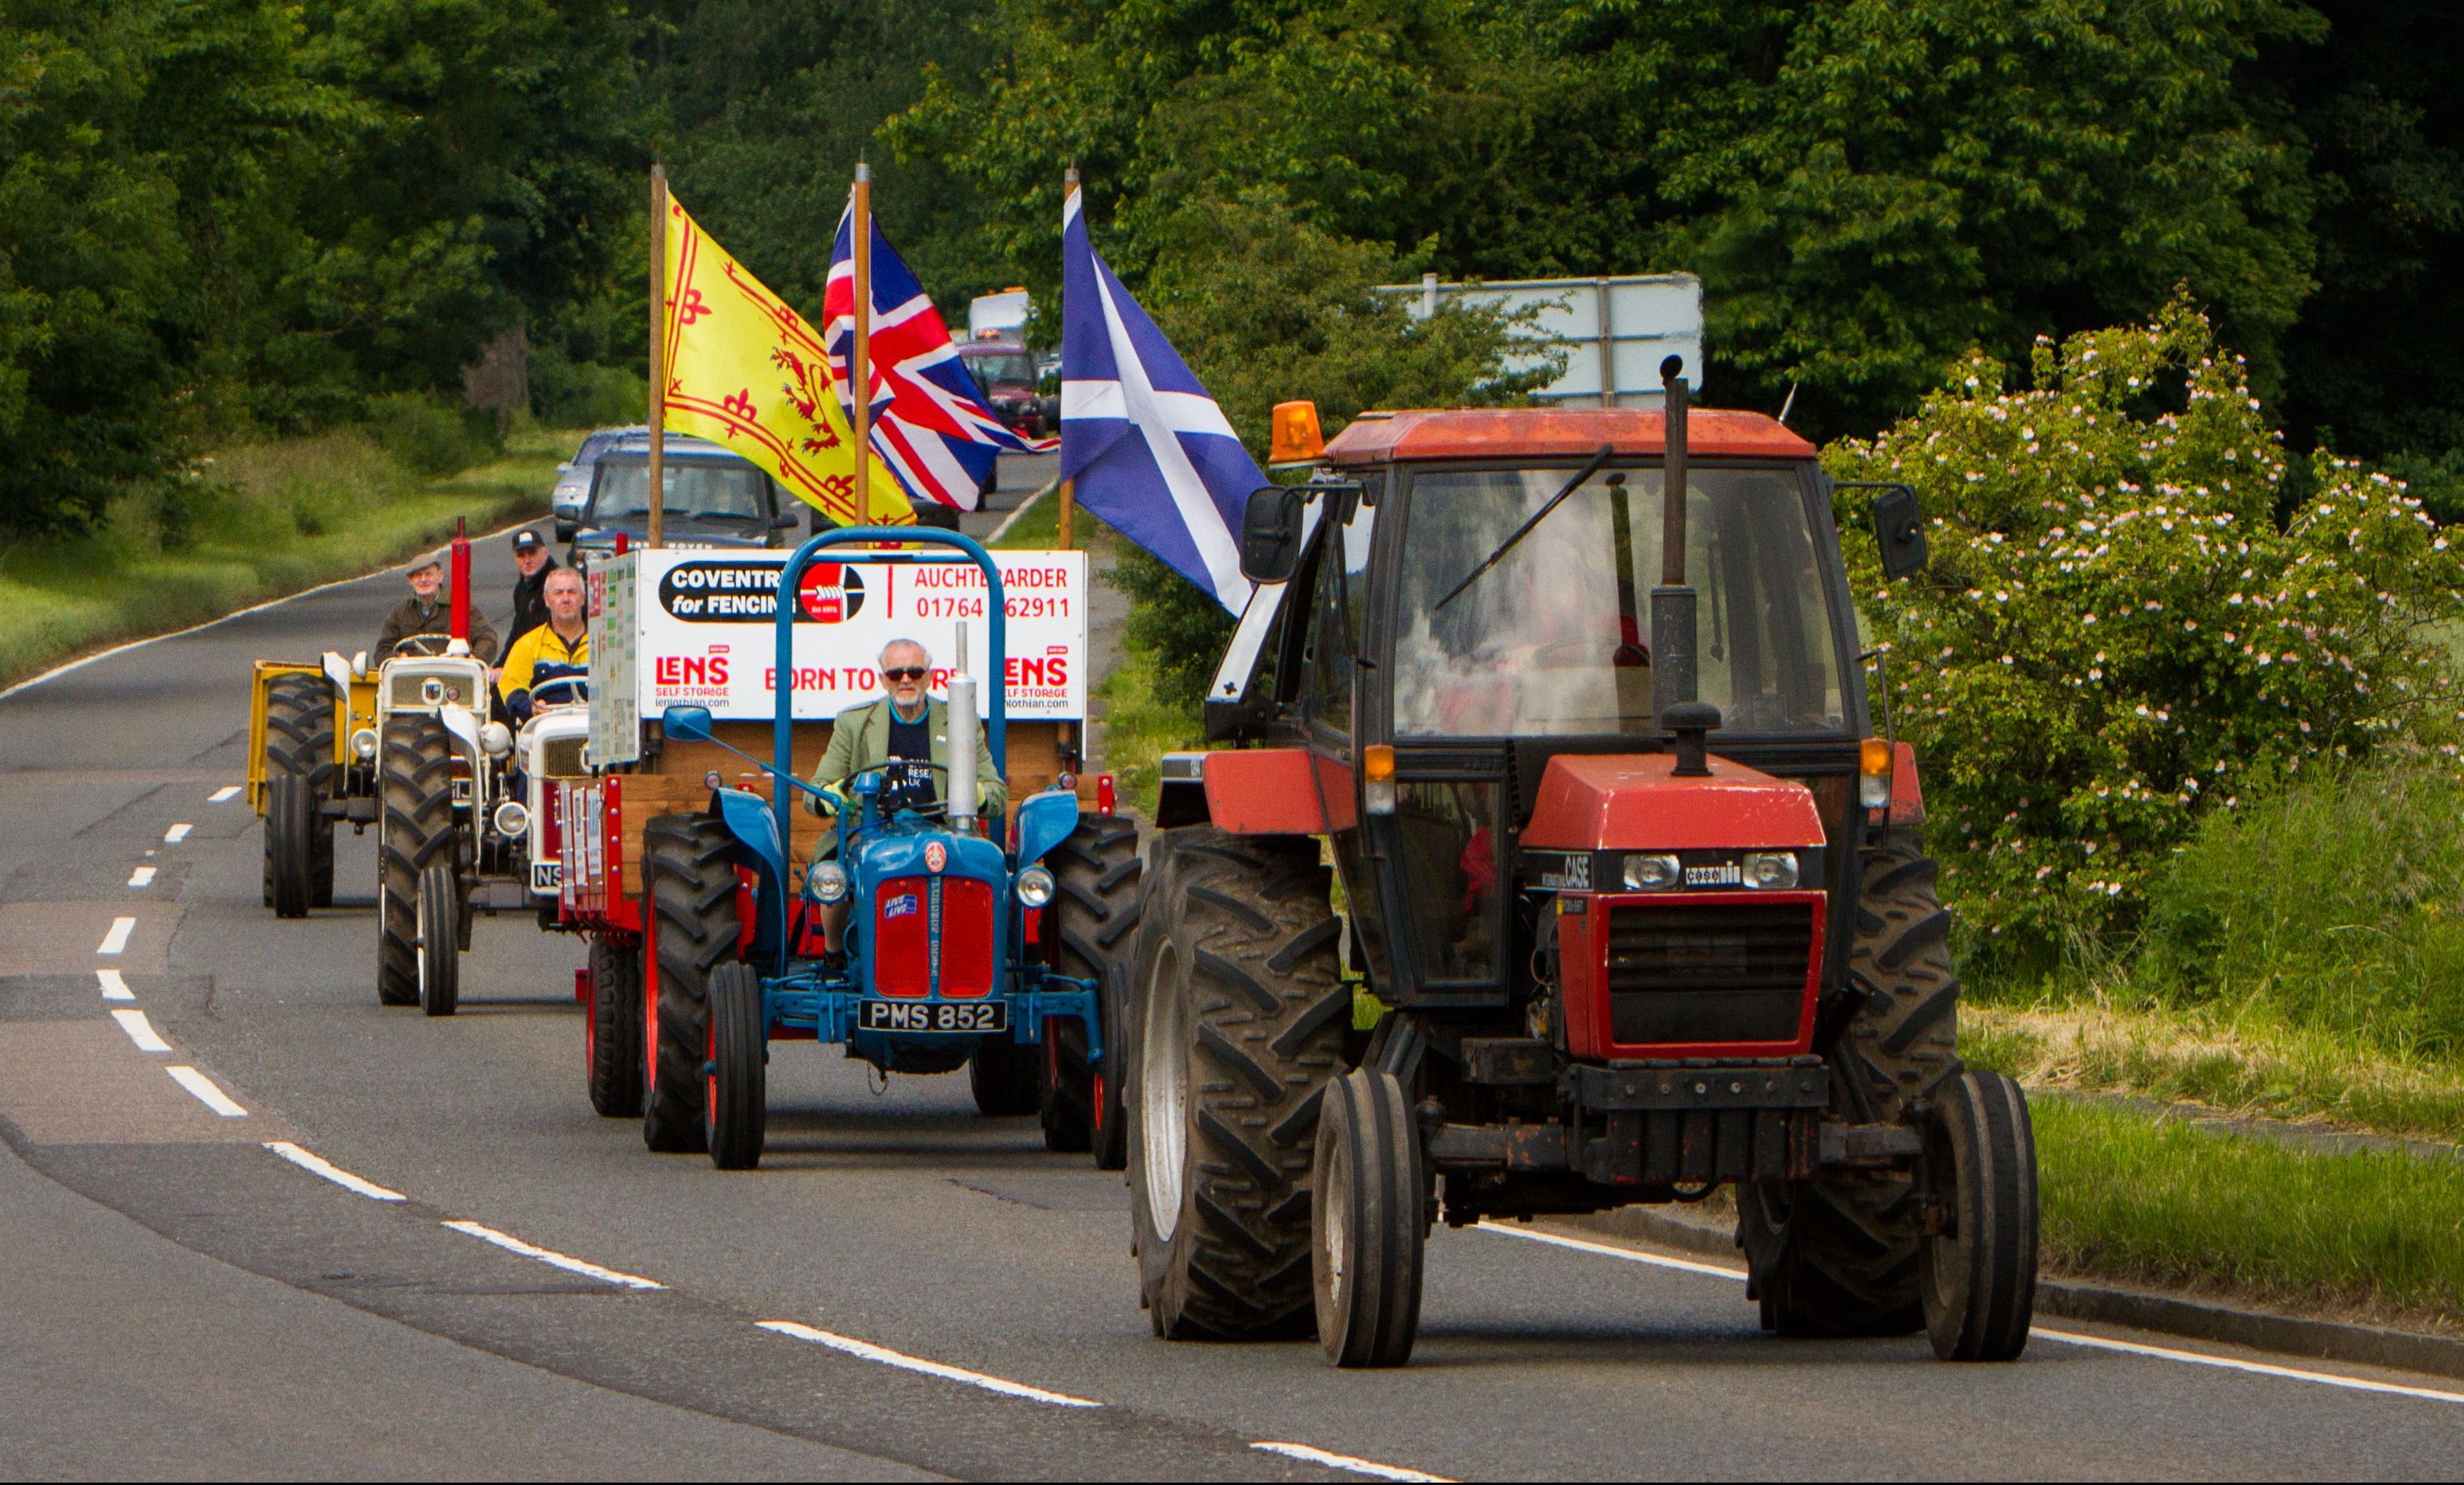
(1149, 451)
(930, 423)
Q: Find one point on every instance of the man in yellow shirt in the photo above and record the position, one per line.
(556, 649)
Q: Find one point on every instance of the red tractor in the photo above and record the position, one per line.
(1572, 702)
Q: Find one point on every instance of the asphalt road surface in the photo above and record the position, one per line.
(452, 1268)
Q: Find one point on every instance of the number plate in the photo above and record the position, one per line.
(546, 876)
(932, 1015)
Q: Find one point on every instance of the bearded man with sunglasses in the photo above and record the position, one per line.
(908, 724)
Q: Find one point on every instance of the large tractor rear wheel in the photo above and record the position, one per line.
(612, 1041)
(1240, 1016)
(1839, 1255)
(299, 744)
(1097, 870)
(689, 879)
(415, 803)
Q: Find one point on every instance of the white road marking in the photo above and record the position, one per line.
(512, 1244)
(224, 795)
(2256, 1369)
(114, 988)
(2326, 1379)
(117, 939)
(207, 1093)
(140, 1030)
(1608, 1250)
(869, 1352)
(317, 1165)
(1335, 1461)
(142, 876)
(175, 835)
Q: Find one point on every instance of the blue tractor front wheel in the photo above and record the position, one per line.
(737, 1097)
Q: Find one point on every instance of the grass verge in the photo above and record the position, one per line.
(257, 522)
(2373, 1234)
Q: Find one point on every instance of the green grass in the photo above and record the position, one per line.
(1138, 729)
(2160, 1202)
(258, 521)
(1039, 528)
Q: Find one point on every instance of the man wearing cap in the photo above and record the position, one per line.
(430, 611)
(530, 589)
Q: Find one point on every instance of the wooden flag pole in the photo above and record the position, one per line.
(658, 491)
(1067, 493)
(860, 362)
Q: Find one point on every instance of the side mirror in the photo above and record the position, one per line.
(686, 724)
(564, 530)
(1270, 534)
(785, 521)
(1899, 529)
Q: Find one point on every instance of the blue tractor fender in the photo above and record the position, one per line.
(749, 818)
(1044, 822)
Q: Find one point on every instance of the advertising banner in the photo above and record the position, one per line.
(704, 621)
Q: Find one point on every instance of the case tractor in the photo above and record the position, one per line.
(970, 942)
(1571, 701)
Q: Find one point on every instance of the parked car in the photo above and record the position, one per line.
(573, 476)
(713, 498)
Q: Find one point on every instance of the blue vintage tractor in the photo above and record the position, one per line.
(957, 949)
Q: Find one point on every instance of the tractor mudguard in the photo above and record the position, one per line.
(1257, 791)
(748, 818)
(1044, 822)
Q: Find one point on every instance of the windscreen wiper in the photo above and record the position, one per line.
(1537, 517)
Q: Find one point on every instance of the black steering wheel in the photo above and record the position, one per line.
(939, 807)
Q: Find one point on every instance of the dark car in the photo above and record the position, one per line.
(572, 490)
(1005, 373)
(713, 498)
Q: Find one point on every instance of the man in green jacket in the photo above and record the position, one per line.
(909, 724)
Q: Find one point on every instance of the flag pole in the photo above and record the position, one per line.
(658, 491)
(860, 361)
(1068, 492)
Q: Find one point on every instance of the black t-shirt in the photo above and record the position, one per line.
(912, 788)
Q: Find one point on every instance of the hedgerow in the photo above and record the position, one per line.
(2120, 633)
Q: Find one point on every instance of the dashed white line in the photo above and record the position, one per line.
(117, 939)
(224, 795)
(140, 1030)
(207, 1093)
(175, 835)
(887, 1357)
(1335, 1461)
(114, 988)
(317, 1165)
(142, 876)
(571, 1265)
(2328, 1379)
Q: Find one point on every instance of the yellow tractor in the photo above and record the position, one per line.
(305, 772)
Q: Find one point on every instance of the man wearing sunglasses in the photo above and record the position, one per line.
(911, 724)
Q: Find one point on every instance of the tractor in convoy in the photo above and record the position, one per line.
(1571, 701)
(970, 942)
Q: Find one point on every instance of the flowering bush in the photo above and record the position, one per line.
(2117, 635)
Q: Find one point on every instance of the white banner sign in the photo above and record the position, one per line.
(705, 621)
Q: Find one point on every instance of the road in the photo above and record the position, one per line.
(943, 1297)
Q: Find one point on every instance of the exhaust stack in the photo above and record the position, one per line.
(963, 739)
(1673, 677)
(460, 624)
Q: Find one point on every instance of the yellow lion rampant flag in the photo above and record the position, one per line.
(747, 372)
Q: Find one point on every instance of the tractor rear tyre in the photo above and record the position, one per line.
(1838, 1256)
(738, 1099)
(1095, 910)
(1002, 1074)
(299, 744)
(689, 879)
(1368, 1221)
(1239, 1016)
(290, 867)
(612, 1038)
(440, 935)
(1979, 1269)
(415, 802)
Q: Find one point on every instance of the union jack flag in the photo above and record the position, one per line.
(930, 422)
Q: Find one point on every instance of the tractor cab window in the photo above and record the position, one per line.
(1554, 638)
(1334, 623)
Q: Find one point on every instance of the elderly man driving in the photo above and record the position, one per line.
(908, 724)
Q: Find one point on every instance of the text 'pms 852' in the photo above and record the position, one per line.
(944, 959)
(1482, 665)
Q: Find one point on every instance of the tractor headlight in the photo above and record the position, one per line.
(497, 740)
(1773, 871)
(830, 881)
(513, 819)
(1034, 886)
(363, 742)
(1653, 873)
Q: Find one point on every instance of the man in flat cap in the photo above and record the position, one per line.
(430, 611)
(531, 558)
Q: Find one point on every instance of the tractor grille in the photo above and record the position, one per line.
(1695, 973)
(560, 757)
